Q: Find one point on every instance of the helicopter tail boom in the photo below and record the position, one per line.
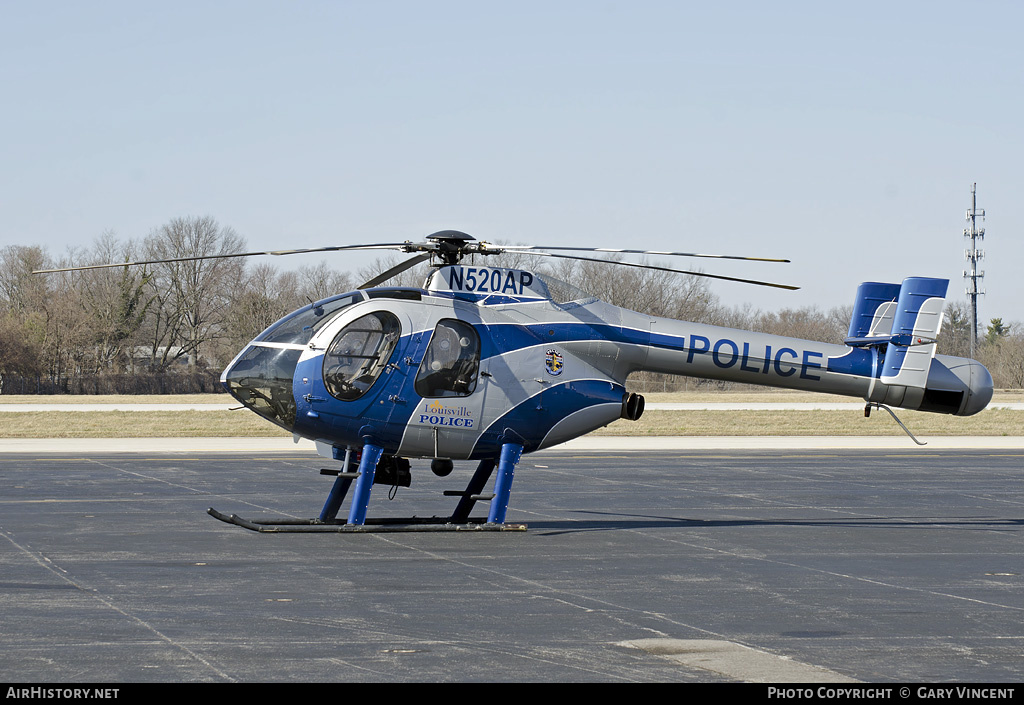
(949, 385)
(888, 357)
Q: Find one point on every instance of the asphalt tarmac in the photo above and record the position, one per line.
(671, 566)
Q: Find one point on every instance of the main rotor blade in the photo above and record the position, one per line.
(614, 250)
(396, 270)
(407, 246)
(668, 269)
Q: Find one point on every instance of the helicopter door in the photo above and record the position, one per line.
(359, 354)
(447, 380)
(451, 363)
(360, 368)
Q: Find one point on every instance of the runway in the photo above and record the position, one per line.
(699, 566)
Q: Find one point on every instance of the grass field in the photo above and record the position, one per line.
(995, 422)
(184, 424)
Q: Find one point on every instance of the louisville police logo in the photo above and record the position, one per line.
(437, 414)
(553, 362)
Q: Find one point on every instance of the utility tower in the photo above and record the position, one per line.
(973, 255)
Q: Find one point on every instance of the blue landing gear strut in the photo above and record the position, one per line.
(367, 469)
(510, 455)
(342, 483)
(363, 478)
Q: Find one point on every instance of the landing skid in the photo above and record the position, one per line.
(285, 525)
(363, 479)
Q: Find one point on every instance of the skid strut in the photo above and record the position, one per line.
(362, 478)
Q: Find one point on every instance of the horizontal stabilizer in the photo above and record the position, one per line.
(867, 341)
(915, 326)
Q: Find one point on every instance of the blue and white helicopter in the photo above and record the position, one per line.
(487, 363)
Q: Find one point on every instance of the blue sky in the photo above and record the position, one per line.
(843, 136)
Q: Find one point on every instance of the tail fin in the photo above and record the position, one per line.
(873, 313)
(906, 319)
(915, 327)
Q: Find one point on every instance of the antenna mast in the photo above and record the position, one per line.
(973, 255)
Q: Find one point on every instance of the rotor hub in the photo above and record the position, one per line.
(452, 245)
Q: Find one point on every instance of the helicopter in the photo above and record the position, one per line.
(485, 363)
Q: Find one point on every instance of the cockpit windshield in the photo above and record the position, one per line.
(300, 327)
(261, 378)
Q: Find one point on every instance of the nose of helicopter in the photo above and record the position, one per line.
(261, 378)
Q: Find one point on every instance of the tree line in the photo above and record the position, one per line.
(170, 327)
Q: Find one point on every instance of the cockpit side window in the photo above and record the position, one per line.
(359, 353)
(451, 363)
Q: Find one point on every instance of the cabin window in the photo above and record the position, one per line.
(359, 354)
(451, 362)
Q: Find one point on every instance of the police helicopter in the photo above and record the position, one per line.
(485, 363)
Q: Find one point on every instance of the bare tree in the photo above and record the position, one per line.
(190, 297)
(20, 350)
(20, 290)
(955, 334)
(47, 309)
(651, 291)
(67, 345)
(261, 297)
(315, 282)
(1003, 353)
(115, 301)
(808, 323)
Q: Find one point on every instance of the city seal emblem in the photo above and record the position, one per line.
(553, 362)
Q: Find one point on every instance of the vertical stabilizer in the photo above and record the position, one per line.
(915, 327)
(873, 309)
